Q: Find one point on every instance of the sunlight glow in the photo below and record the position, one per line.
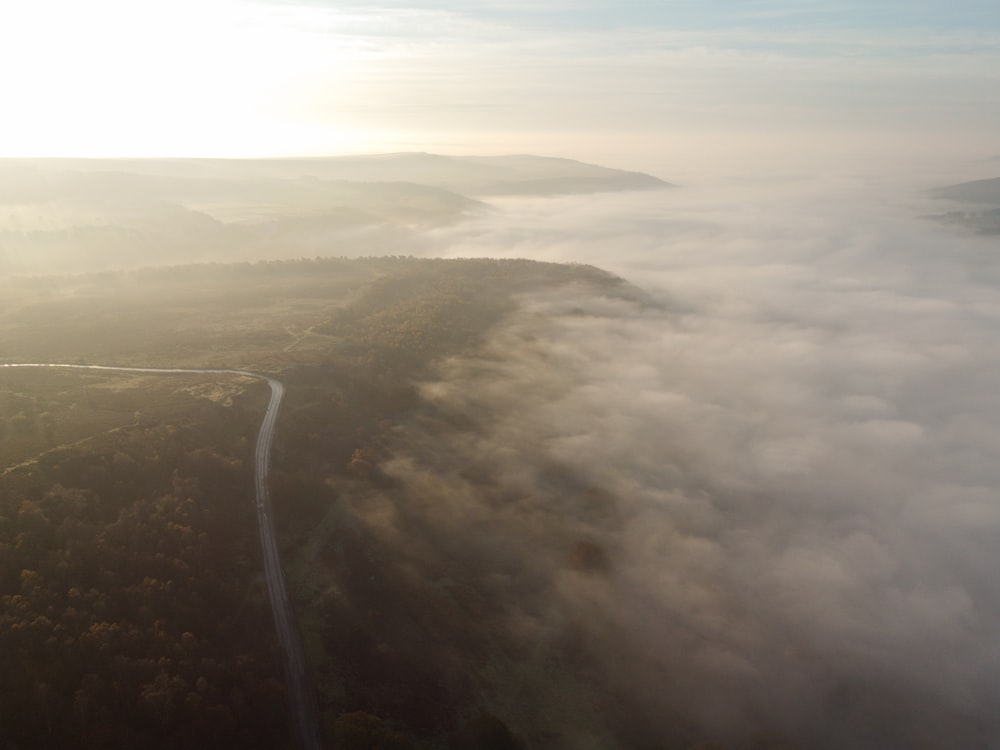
(121, 78)
(303, 77)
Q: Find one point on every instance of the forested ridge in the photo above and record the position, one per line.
(132, 611)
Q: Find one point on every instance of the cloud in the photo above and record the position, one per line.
(789, 459)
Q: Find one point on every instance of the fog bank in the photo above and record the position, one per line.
(794, 442)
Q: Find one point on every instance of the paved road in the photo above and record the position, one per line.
(300, 694)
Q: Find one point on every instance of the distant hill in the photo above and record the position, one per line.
(91, 214)
(981, 214)
(125, 184)
(514, 175)
(470, 175)
(977, 191)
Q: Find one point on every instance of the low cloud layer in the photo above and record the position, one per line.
(760, 497)
(789, 457)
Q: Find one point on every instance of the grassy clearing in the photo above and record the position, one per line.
(46, 410)
(244, 315)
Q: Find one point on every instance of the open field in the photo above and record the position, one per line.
(245, 315)
(48, 410)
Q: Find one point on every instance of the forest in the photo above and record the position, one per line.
(132, 607)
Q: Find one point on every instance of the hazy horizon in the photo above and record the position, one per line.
(677, 89)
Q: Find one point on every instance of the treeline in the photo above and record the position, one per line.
(398, 267)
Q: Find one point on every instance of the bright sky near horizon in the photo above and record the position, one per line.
(592, 77)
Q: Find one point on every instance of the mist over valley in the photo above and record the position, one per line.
(84, 215)
(716, 467)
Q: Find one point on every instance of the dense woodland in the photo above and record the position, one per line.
(133, 612)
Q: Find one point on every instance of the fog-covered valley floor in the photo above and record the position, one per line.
(795, 440)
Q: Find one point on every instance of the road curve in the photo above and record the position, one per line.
(303, 707)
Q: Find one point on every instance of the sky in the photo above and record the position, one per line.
(622, 82)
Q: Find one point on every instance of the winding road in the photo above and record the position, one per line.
(303, 706)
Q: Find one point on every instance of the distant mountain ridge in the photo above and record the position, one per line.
(472, 176)
(983, 214)
(977, 191)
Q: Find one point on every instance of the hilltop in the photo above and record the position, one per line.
(980, 211)
(976, 191)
